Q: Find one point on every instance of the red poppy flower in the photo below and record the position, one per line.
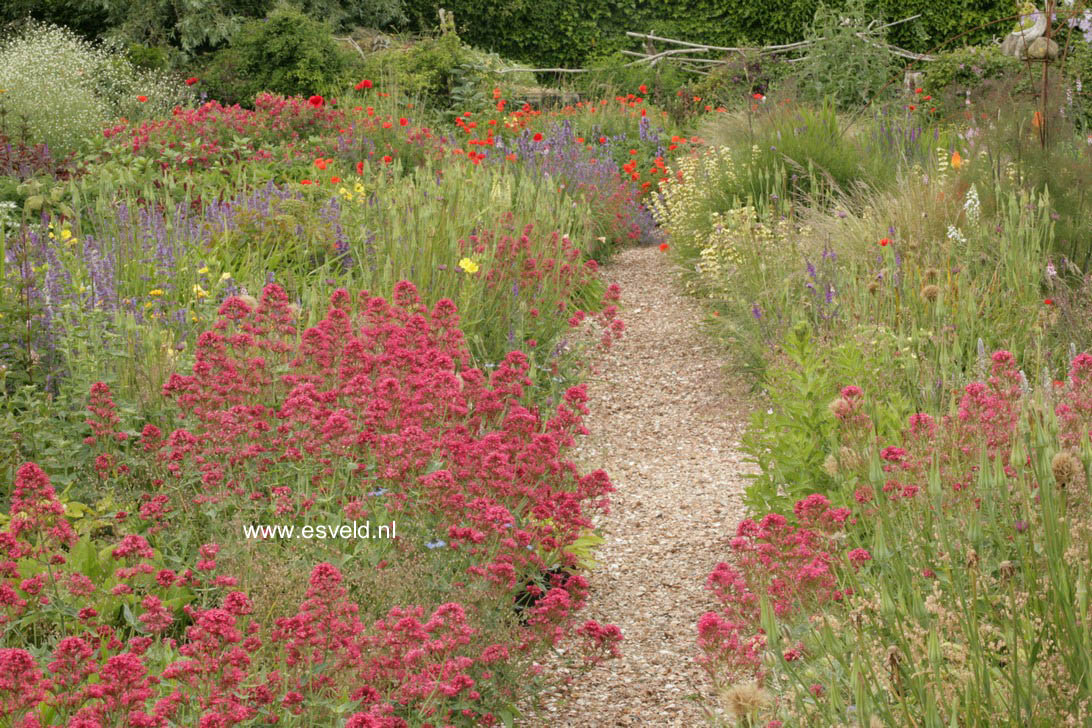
(403, 121)
(142, 99)
(912, 107)
(191, 80)
(1048, 301)
(758, 97)
(305, 181)
(643, 88)
(363, 85)
(663, 246)
(316, 101)
(387, 159)
(537, 137)
(602, 140)
(919, 90)
(885, 242)
(360, 168)
(335, 180)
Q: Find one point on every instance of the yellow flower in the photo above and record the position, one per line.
(199, 291)
(468, 265)
(155, 292)
(225, 276)
(66, 234)
(203, 271)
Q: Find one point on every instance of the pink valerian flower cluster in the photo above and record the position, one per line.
(387, 384)
(794, 566)
(38, 526)
(1075, 413)
(983, 426)
(408, 661)
(375, 381)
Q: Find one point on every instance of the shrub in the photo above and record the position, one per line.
(966, 68)
(734, 83)
(842, 66)
(287, 53)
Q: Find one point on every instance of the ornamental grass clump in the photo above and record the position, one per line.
(959, 590)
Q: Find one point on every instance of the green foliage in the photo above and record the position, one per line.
(614, 73)
(841, 65)
(1077, 73)
(442, 73)
(85, 17)
(795, 441)
(967, 67)
(790, 441)
(552, 33)
(733, 84)
(287, 53)
(721, 22)
(152, 57)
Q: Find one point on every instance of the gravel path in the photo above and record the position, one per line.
(665, 424)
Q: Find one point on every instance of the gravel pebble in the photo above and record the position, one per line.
(665, 424)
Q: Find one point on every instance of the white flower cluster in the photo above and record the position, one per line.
(9, 217)
(63, 90)
(972, 206)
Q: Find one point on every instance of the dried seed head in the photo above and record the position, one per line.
(744, 700)
(850, 458)
(931, 274)
(1007, 569)
(840, 407)
(873, 287)
(830, 465)
(1066, 468)
(972, 559)
(930, 292)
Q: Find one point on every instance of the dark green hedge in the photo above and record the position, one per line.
(568, 32)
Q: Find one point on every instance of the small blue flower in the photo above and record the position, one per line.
(381, 491)
(438, 543)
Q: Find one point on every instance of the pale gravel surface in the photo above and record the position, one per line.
(665, 421)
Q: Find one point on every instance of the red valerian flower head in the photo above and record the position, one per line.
(316, 101)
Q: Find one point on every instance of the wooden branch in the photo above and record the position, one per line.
(545, 70)
(355, 45)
